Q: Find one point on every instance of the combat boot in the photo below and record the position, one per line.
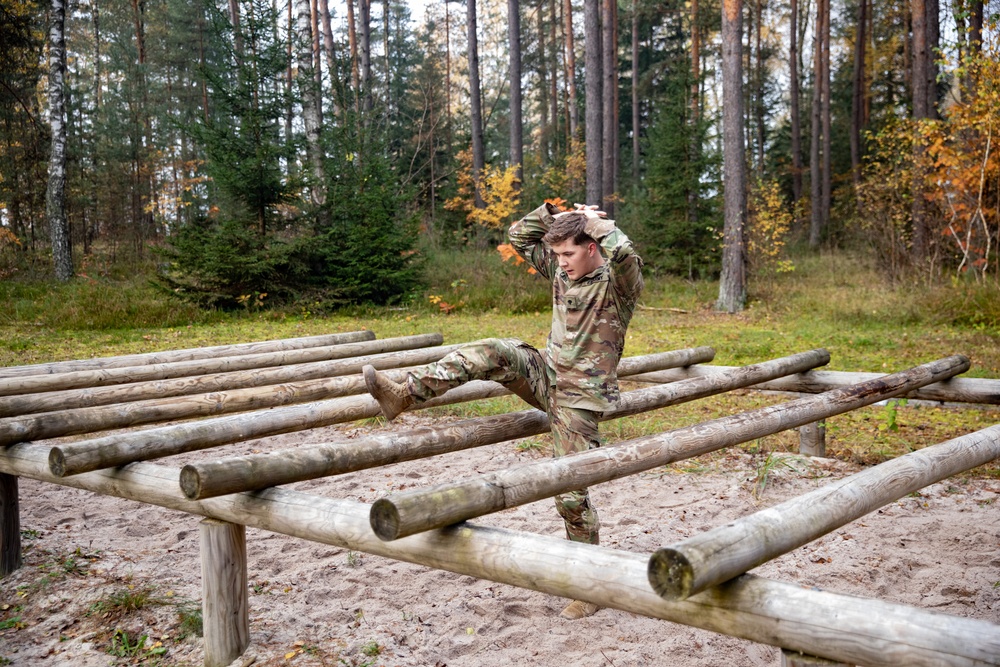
(392, 397)
(578, 609)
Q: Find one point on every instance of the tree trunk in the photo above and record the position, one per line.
(516, 126)
(554, 79)
(759, 88)
(933, 27)
(793, 67)
(594, 117)
(475, 106)
(234, 19)
(918, 11)
(857, 104)
(827, 148)
(635, 97)
(572, 104)
(317, 62)
(815, 166)
(545, 132)
(352, 42)
(55, 196)
(310, 102)
(331, 60)
(365, 44)
(976, 27)
(609, 90)
(695, 147)
(732, 282)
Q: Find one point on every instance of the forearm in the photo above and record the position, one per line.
(526, 237)
(626, 265)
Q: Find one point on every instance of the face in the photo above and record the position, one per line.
(577, 260)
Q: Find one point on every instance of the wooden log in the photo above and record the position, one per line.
(119, 449)
(707, 559)
(207, 479)
(202, 384)
(956, 390)
(797, 659)
(838, 627)
(170, 356)
(225, 607)
(10, 525)
(104, 418)
(812, 439)
(410, 512)
(112, 376)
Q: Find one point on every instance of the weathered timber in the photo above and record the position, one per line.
(225, 607)
(206, 479)
(709, 558)
(119, 449)
(812, 439)
(10, 525)
(171, 356)
(957, 390)
(105, 418)
(410, 512)
(202, 384)
(797, 659)
(112, 376)
(838, 627)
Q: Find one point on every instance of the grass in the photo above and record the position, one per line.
(834, 300)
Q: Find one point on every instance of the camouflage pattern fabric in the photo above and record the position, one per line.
(521, 368)
(589, 315)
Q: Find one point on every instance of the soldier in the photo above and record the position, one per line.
(596, 280)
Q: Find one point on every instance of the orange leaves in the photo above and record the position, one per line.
(508, 253)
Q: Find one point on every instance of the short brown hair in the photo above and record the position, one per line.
(568, 226)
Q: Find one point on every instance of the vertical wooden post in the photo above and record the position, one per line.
(812, 439)
(225, 611)
(796, 659)
(10, 525)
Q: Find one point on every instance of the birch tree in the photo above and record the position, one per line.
(55, 197)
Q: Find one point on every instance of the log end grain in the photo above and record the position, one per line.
(384, 520)
(670, 574)
(190, 482)
(57, 462)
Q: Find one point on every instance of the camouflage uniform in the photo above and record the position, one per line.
(576, 377)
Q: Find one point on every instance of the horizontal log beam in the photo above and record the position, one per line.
(838, 627)
(108, 417)
(171, 356)
(207, 479)
(708, 559)
(111, 376)
(120, 449)
(69, 399)
(410, 512)
(956, 390)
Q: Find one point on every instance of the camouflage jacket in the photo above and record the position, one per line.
(589, 315)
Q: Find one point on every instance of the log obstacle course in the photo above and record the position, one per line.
(699, 582)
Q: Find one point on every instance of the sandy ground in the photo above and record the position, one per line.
(312, 604)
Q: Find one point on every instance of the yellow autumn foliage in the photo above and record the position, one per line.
(498, 189)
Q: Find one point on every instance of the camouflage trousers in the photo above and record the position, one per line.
(522, 369)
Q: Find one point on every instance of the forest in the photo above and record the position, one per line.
(263, 152)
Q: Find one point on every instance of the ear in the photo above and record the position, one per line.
(591, 248)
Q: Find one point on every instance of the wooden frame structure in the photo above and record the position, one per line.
(699, 582)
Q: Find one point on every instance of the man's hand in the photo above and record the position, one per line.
(591, 210)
